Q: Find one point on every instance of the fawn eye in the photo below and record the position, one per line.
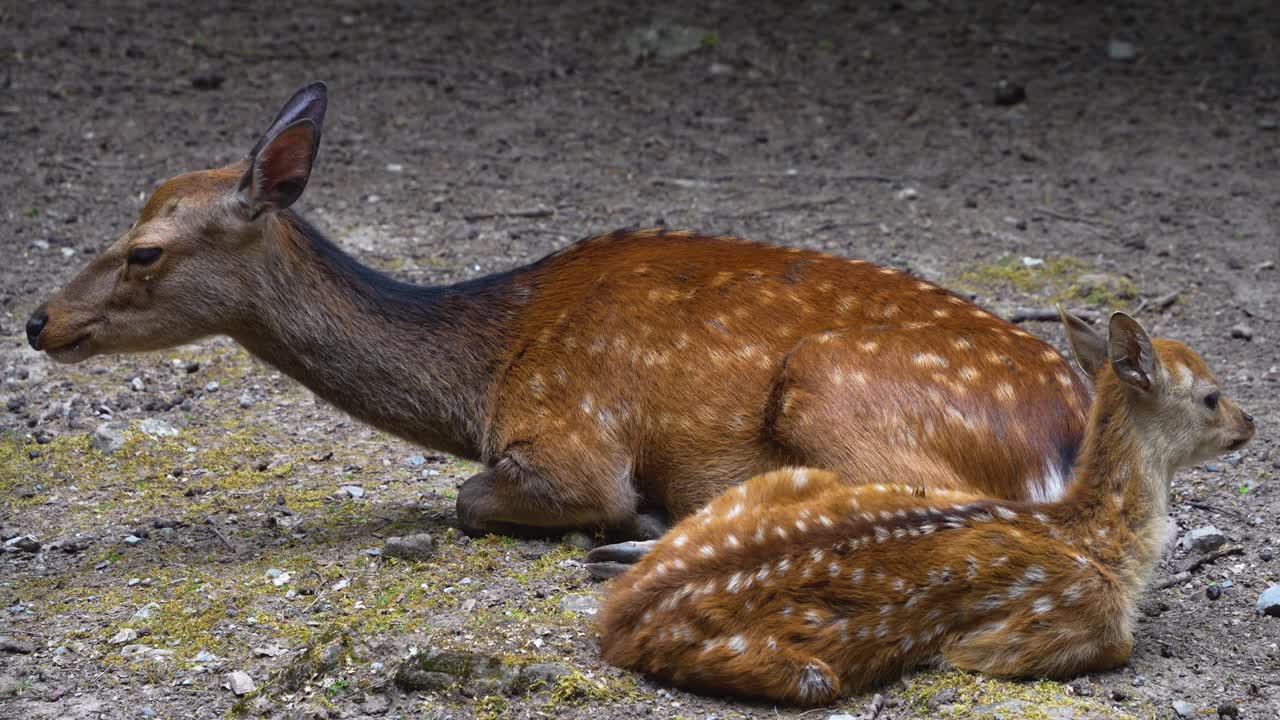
(1211, 400)
(144, 255)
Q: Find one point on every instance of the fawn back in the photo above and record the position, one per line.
(632, 371)
(798, 585)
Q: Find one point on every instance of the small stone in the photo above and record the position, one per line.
(1008, 93)
(191, 367)
(1122, 51)
(281, 579)
(146, 611)
(124, 636)
(1265, 555)
(1183, 709)
(416, 460)
(245, 400)
(410, 547)
(353, 491)
(841, 716)
(13, 645)
(1269, 601)
(156, 427)
(1082, 687)
(240, 682)
(25, 543)
(212, 386)
(148, 712)
(585, 604)
(1119, 695)
(109, 437)
(207, 81)
(205, 657)
(1241, 331)
(580, 540)
(1227, 710)
(137, 384)
(1203, 539)
(1213, 592)
(274, 573)
(132, 539)
(395, 168)
(1212, 467)
(1269, 124)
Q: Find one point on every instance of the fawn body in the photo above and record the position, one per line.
(629, 372)
(797, 586)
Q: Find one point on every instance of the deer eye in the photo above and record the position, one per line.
(144, 255)
(1211, 400)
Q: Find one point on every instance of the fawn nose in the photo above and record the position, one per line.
(1248, 419)
(35, 326)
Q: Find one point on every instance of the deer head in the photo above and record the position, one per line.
(185, 268)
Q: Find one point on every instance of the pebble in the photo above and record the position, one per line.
(395, 168)
(1183, 708)
(1009, 93)
(1265, 556)
(410, 547)
(416, 460)
(1203, 539)
(25, 543)
(204, 656)
(1122, 50)
(1140, 680)
(1241, 331)
(109, 437)
(132, 539)
(1268, 123)
(1227, 710)
(246, 400)
(240, 682)
(146, 611)
(13, 645)
(156, 427)
(212, 386)
(124, 636)
(353, 491)
(585, 604)
(148, 712)
(137, 384)
(1213, 592)
(1269, 601)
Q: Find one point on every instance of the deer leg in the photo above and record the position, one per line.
(514, 498)
(609, 561)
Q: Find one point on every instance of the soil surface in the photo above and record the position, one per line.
(187, 508)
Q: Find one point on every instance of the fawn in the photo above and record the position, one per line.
(798, 586)
(626, 376)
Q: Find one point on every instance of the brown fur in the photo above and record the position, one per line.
(801, 585)
(634, 370)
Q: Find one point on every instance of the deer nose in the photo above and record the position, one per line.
(1248, 419)
(35, 326)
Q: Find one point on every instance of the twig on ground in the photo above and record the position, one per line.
(490, 215)
(1159, 304)
(222, 537)
(1209, 557)
(795, 205)
(1214, 508)
(1172, 580)
(1020, 315)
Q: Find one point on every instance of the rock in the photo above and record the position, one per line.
(668, 41)
(1181, 708)
(109, 437)
(1122, 51)
(212, 386)
(1227, 710)
(146, 611)
(25, 543)
(1268, 123)
(14, 645)
(1203, 539)
(1009, 93)
(1241, 331)
(1213, 592)
(124, 636)
(1269, 601)
(585, 604)
(538, 676)
(417, 460)
(353, 491)
(580, 540)
(410, 547)
(10, 686)
(375, 704)
(132, 539)
(145, 651)
(204, 657)
(240, 682)
(474, 673)
(841, 716)
(137, 384)
(1265, 555)
(157, 428)
(1082, 687)
(245, 400)
(1139, 680)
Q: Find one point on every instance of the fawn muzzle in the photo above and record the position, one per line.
(35, 326)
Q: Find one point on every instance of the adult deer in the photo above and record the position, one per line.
(798, 585)
(628, 375)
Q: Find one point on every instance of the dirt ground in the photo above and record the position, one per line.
(466, 138)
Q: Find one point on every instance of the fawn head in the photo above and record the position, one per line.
(1166, 391)
(182, 271)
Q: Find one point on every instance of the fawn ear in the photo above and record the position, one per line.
(1087, 346)
(280, 164)
(1130, 351)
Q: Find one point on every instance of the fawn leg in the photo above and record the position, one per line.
(608, 561)
(783, 675)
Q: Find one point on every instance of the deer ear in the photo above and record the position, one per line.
(280, 164)
(1130, 351)
(1087, 346)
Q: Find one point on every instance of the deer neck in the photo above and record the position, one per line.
(1120, 493)
(413, 361)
